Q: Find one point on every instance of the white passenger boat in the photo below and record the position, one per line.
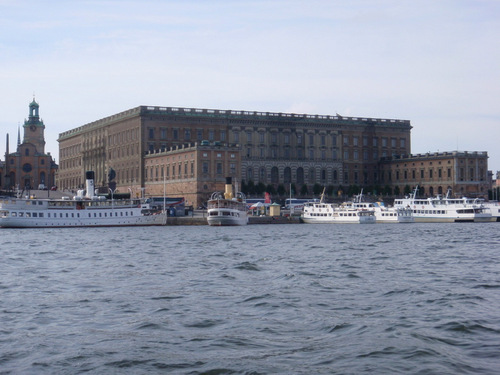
(492, 207)
(444, 209)
(383, 214)
(227, 209)
(81, 211)
(330, 213)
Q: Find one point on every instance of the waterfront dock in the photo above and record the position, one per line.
(200, 218)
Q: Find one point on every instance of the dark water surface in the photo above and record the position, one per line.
(260, 299)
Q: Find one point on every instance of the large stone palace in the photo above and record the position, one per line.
(189, 152)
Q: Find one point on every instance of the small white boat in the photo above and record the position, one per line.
(81, 211)
(227, 209)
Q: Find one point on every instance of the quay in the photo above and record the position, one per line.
(200, 218)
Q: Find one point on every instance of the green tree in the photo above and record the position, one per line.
(260, 188)
(304, 191)
(271, 190)
(281, 190)
(317, 189)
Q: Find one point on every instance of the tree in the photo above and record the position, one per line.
(304, 191)
(330, 191)
(317, 189)
(250, 188)
(387, 190)
(260, 188)
(397, 191)
(270, 189)
(281, 190)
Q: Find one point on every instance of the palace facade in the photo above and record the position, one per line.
(29, 167)
(189, 152)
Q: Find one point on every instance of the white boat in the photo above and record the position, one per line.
(331, 213)
(493, 207)
(444, 209)
(227, 209)
(81, 211)
(383, 214)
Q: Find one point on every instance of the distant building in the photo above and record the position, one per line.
(464, 173)
(29, 167)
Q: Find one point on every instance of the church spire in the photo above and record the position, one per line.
(18, 135)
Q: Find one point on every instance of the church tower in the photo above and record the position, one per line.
(34, 129)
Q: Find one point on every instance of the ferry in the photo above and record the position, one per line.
(441, 209)
(330, 213)
(227, 209)
(383, 214)
(86, 210)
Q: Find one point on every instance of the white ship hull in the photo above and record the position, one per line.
(327, 213)
(445, 210)
(393, 215)
(46, 213)
(226, 217)
(227, 209)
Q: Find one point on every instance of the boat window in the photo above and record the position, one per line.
(40, 214)
(21, 214)
(13, 214)
(35, 214)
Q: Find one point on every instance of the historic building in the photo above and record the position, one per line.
(29, 167)
(189, 152)
(193, 172)
(464, 173)
(275, 148)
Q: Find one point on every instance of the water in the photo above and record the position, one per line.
(260, 299)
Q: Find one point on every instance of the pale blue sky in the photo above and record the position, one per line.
(433, 62)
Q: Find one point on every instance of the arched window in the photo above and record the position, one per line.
(323, 176)
(300, 176)
(287, 176)
(262, 175)
(42, 178)
(249, 174)
(312, 176)
(27, 152)
(274, 175)
(335, 175)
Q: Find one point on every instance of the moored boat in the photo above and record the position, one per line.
(227, 209)
(81, 211)
(383, 214)
(441, 209)
(330, 213)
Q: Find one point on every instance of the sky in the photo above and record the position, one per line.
(433, 62)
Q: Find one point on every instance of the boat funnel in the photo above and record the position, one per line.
(229, 189)
(89, 176)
